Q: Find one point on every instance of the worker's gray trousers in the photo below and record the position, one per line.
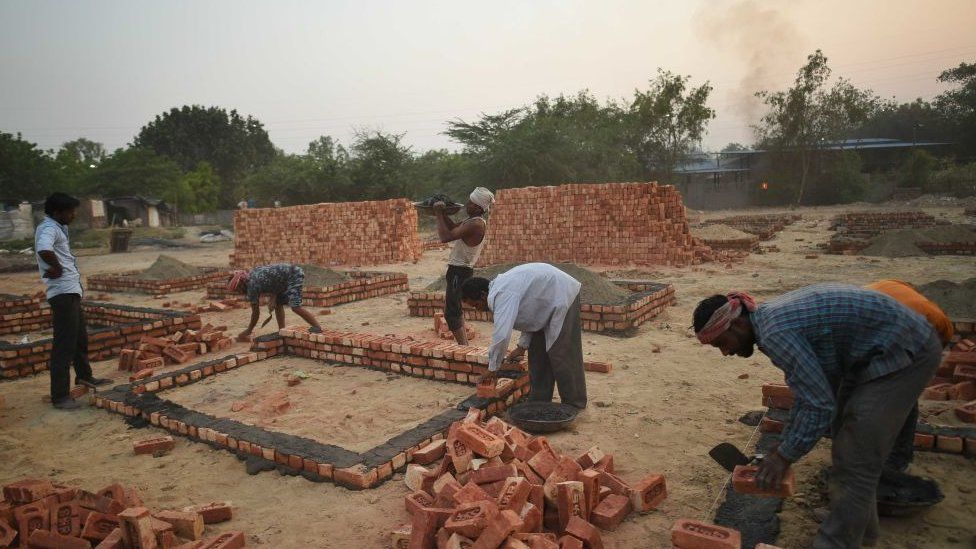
(868, 418)
(561, 365)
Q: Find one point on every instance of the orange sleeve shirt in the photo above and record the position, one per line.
(903, 293)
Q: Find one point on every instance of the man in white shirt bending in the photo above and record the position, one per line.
(544, 304)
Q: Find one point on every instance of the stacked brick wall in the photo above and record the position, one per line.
(127, 282)
(125, 325)
(20, 314)
(649, 300)
(765, 226)
(364, 285)
(740, 244)
(948, 248)
(346, 233)
(856, 229)
(589, 224)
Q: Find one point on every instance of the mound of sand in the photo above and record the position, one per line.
(719, 232)
(957, 300)
(596, 289)
(318, 277)
(166, 267)
(902, 243)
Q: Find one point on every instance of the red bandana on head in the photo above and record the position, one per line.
(722, 318)
(237, 279)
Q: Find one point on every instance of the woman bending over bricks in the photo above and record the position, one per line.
(283, 282)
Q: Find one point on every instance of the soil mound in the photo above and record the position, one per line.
(596, 289)
(719, 232)
(316, 276)
(902, 243)
(166, 267)
(957, 300)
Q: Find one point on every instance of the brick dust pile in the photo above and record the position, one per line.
(166, 267)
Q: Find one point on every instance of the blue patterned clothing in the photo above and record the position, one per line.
(282, 280)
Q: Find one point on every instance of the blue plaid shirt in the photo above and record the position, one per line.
(824, 333)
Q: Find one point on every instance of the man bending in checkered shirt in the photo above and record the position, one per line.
(856, 361)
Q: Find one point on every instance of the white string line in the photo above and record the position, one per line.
(709, 514)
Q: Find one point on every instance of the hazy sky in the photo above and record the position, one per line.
(102, 69)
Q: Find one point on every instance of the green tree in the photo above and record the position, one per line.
(959, 105)
(666, 122)
(805, 117)
(917, 169)
(380, 164)
(233, 145)
(199, 190)
(292, 179)
(26, 172)
(75, 159)
(734, 147)
(135, 171)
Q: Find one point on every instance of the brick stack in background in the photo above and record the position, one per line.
(856, 229)
(122, 325)
(22, 313)
(733, 244)
(611, 224)
(497, 486)
(44, 514)
(127, 282)
(765, 226)
(346, 233)
(364, 285)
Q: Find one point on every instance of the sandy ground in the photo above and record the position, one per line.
(333, 405)
(656, 412)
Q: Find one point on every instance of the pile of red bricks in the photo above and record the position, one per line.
(362, 285)
(22, 313)
(345, 233)
(592, 224)
(128, 282)
(650, 299)
(124, 326)
(956, 380)
(176, 348)
(764, 226)
(497, 486)
(46, 515)
(443, 331)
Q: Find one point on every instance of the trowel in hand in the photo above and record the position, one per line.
(728, 456)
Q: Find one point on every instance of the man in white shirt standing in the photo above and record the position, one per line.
(59, 271)
(544, 304)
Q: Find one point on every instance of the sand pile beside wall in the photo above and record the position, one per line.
(957, 300)
(166, 267)
(902, 243)
(318, 277)
(596, 289)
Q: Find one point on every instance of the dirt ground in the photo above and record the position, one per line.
(656, 412)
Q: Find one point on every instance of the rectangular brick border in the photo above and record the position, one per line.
(125, 326)
(127, 282)
(649, 300)
(364, 285)
(23, 313)
(313, 459)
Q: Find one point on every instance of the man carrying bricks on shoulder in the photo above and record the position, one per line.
(856, 361)
(469, 238)
(902, 292)
(283, 282)
(59, 271)
(544, 304)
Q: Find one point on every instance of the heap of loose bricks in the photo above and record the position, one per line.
(764, 226)
(497, 486)
(856, 229)
(123, 326)
(363, 285)
(39, 513)
(128, 282)
(650, 300)
(23, 314)
(589, 224)
(954, 380)
(177, 348)
(345, 233)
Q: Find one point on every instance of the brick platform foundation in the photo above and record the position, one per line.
(764, 226)
(21, 313)
(640, 224)
(312, 459)
(740, 244)
(364, 285)
(948, 248)
(346, 233)
(649, 300)
(127, 282)
(123, 326)
(856, 229)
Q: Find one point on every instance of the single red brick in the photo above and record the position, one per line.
(614, 483)
(470, 493)
(480, 441)
(744, 482)
(581, 529)
(504, 524)
(487, 475)
(570, 502)
(424, 525)
(611, 511)
(570, 542)
(27, 491)
(44, 539)
(531, 517)
(590, 458)
(150, 363)
(471, 519)
(647, 494)
(213, 512)
(566, 470)
(769, 425)
(98, 526)
(691, 534)
(544, 462)
(964, 390)
(431, 452)
(601, 367)
(7, 534)
(30, 517)
(537, 540)
(229, 540)
(605, 464)
(187, 525)
(65, 519)
(949, 444)
(153, 445)
(924, 441)
(966, 412)
(417, 500)
(965, 372)
(98, 503)
(137, 529)
(514, 494)
(460, 454)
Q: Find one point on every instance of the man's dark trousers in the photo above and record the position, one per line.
(70, 344)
